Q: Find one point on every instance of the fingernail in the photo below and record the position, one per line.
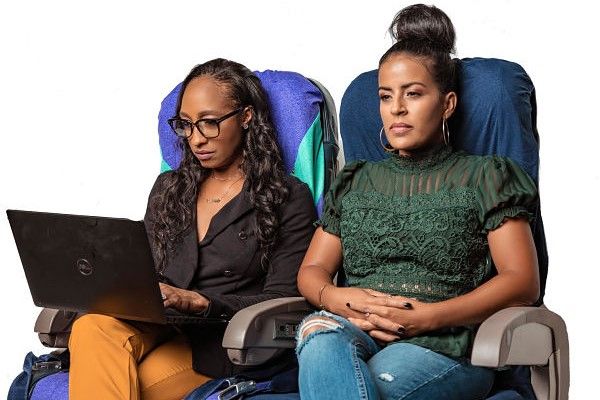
(401, 330)
(348, 305)
(407, 305)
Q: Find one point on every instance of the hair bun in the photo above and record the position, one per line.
(426, 31)
(419, 26)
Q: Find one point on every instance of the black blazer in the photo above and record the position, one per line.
(225, 266)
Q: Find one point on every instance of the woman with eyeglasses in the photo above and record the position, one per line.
(432, 241)
(228, 229)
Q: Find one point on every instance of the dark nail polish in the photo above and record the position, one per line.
(401, 330)
(348, 305)
(407, 305)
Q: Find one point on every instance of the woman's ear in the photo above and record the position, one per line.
(247, 116)
(449, 104)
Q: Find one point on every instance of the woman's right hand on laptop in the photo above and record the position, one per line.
(186, 301)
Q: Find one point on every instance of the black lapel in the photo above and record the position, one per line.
(182, 263)
(183, 260)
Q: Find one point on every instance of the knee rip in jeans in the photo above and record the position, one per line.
(386, 377)
(317, 324)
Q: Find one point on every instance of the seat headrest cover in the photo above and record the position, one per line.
(495, 114)
(169, 149)
(294, 102)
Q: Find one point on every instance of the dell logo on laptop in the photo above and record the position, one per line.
(84, 267)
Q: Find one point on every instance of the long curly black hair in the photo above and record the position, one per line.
(173, 207)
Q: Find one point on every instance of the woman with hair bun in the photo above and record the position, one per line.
(432, 241)
(228, 229)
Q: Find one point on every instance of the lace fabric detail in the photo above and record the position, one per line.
(423, 161)
(417, 226)
(427, 246)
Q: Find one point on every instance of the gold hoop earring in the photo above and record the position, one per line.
(445, 132)
(389, 149)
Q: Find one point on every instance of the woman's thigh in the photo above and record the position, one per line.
(102, 334)
(407, 371)
(166, 372)
(332, 354)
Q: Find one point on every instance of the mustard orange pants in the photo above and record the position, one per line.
(115, 359)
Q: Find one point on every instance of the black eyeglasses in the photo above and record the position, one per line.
(210, 128)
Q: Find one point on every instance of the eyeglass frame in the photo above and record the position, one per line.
(195, 124)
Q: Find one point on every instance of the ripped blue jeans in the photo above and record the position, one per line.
(340, 361)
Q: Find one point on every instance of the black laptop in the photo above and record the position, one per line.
(92, 265)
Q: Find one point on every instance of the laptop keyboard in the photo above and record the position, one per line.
(178, 318)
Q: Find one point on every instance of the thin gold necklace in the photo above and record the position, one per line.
(218, 199)
(213, 176)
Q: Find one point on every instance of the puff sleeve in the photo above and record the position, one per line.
(332, 212)
(506, 191)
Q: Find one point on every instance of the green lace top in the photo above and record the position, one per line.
(417, 226)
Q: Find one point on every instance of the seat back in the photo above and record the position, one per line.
(496, 114)
(304, 117)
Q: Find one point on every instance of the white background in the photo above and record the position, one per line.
(81, 85)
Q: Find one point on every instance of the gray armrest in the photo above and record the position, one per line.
(260, 332)
(54, 327)
(532, 336)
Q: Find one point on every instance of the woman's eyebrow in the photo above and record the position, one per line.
(204, 113)
(200, 114)
(406, 85)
